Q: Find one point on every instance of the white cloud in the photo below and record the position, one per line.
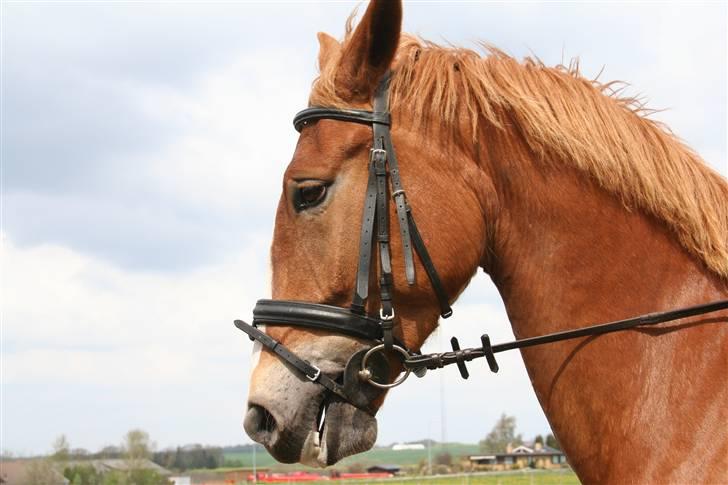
(73, 321)
(238, 135)
(685, 47)
(74, 300)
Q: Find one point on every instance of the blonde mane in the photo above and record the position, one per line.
(583, 122)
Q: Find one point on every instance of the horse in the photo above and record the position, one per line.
(579, 208)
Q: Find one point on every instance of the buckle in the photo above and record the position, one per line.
(315, 377)
(385, 318)
(378, 156)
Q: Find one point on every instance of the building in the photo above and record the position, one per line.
(48, 472)
(22, 472)
(121, 465)
(523, 456)
(407, 446)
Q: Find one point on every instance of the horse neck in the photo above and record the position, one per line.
(566, 248)
(565, 254)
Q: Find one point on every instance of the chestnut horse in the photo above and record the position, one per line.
(580, 209)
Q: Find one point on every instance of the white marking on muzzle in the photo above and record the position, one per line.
(257, 348)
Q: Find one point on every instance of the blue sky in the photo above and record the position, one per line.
(142, 151)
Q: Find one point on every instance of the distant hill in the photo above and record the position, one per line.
(243, 448)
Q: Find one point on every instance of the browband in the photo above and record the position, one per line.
(352, 115)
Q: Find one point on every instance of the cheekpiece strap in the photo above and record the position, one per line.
(311, 372)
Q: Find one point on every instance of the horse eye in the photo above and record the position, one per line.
(307, 196)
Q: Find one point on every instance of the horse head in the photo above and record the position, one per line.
(316, 248)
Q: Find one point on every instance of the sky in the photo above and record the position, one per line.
(143, 146)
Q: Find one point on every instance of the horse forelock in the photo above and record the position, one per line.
(561, 115)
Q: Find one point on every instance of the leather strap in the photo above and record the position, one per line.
(442, 298)
(379, 159)
(400, 204)
(316, 316)
(366, 238)
(352, 115)
(311, 372)
(460, 356)
(381, 104)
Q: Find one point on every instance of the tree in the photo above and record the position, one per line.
(538, 439)
(61, 449)
(552, 442)
(83, 475)
(136, 445)
(502, 434)
(179, 462)
(136, 448)
(444, 458)
(110, 451)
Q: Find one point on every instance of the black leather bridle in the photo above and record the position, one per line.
(370, 366)
(383, 182)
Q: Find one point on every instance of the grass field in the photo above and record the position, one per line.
(375, 456)
(411, 459)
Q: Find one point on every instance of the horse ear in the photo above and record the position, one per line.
(370, 50)
(328, 46)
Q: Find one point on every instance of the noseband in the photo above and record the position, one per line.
(370, 365)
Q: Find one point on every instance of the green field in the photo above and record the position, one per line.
(413, 462)
(375, 456)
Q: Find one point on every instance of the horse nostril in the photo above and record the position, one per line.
(259, 423)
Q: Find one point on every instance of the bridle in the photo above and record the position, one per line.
(371, 366)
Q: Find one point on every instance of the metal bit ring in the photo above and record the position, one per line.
(366, 375)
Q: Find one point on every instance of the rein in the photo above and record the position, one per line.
(370, 366)
(459, 357)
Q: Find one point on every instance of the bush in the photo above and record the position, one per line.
(82, 475)
(355, 468)
(444, 458)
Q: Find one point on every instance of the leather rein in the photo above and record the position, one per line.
(370, 366)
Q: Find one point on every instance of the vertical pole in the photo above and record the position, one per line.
(443, 415)
(255, 471)
(429, 451)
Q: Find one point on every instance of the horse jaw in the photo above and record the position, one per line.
(347, 431)
(285, 409)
